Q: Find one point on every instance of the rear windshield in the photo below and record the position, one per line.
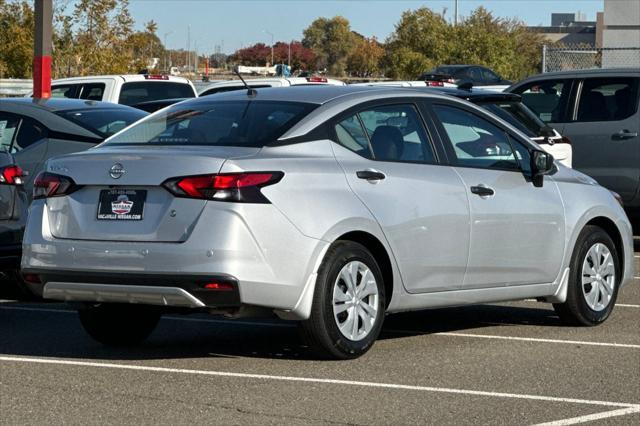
(143, 91)
(103, 122)
(518, 116)
(226, 123)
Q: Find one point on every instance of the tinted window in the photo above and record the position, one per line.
(396, 133)
(8, 126)
(104, 122)
(92, 91)
(64, 91)
(518, 115)
(142, 91)
(608, 99)
(230, 123)
(547, 99)
(474, 141)
(29, 132)
(489, 76)
(352, 136)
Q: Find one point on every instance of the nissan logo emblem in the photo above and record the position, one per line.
(116, 171)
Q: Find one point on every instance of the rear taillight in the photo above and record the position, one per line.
(434, 83)
(48, 185)
(316, 79)
(237, 187)
(11, 175)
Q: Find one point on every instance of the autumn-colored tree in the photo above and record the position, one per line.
(332, 41)
(302, 58)
(16, 39)
(257, 55)
(365, 57)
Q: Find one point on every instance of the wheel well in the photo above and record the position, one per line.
(379, 253)
(612, 230)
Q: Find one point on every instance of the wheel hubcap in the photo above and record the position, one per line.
(355, 300)
(598, 277)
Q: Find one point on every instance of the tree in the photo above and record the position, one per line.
(365, 57)
(145, 47)
(16, 39)
(302, 58)
(331, 40)
(257, 55)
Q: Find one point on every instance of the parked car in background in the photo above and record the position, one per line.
(480, 77)
(123, 89)
(507, 106)
(599, 111)
(34, 130)
(331, 206)
(259, 83)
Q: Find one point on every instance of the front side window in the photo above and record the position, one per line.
(608, 99)
(142, 91)
(223, 123)
(547, 99)
(92, 91)
(518, 115)
(387, 133)
(489, 76)
(8, 127)
(474, 141)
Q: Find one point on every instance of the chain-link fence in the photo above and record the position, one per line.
(562, 58)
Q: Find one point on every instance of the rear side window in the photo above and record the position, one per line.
(547, 99)
(387, 133)
(476, 142)
(92, 91)
(8, 127)
(29, 132)
(143, 91)
(65, 91)
(608, 99)
(225, 123)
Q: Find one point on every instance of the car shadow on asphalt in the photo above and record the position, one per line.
(50, 334)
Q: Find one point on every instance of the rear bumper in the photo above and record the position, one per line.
(178, 291)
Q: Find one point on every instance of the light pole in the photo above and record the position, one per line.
(455, 13)
(166, 50)
(271, 34)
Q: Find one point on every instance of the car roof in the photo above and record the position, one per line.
(585, 72)
(126, 77)
(476, 95)
(61, 104)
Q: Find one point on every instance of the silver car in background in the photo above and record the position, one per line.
(331, 206)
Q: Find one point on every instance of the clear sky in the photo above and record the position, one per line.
(238, 23)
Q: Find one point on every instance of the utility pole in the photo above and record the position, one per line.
(289, 63)
(195, 62)
(166, 49)
(455, 13)
(271, 34)
(188, 48)
(42, 49)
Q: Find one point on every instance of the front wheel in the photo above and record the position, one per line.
(119, 325)
(593, 281)
(348, 303)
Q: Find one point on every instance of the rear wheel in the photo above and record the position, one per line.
(593, 280)
(348, 304)
(119, 325)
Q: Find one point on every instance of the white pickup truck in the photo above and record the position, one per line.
(123, 89)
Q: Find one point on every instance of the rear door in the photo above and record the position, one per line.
(391, 164)
(517, 229)
(604, 132)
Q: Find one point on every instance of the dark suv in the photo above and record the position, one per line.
(598, 110)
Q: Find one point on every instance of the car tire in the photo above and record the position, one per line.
(594, 259)
(346, 320)
(119, 325)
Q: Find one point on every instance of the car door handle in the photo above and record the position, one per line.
(624, 134)
(482, 191)
(370, 175)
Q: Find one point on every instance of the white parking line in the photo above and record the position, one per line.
(106, 365)
(411, 332)
(592, 417)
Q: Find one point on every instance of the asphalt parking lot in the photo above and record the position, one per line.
(510, 363)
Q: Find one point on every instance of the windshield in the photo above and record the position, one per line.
(518, 116)
(226, 123)
(103, 122)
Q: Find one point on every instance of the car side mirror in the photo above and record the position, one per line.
(541, 164)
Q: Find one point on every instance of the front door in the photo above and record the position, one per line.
(517, 229)
(390, 163)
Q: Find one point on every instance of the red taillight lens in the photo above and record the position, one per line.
(216, 286)
(156, 77)
(11, 175)
(238, 187)
(316, 79)
(52, 185)
(434, 83)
